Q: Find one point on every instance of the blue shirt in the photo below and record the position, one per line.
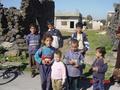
(72, 71)
(44, 52)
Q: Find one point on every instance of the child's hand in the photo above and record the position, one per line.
(43, 61)
(47, 61)
(63, 82)
(71, 62)
(76, 66)
(95, 69)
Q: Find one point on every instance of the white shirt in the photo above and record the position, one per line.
(58, 70)
(80, 39)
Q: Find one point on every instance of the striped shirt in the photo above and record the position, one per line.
(33, 42)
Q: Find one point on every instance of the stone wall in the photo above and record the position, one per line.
(113, 26)
(14, 22)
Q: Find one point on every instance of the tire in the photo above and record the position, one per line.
(7, 76)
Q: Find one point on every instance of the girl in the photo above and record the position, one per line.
(44, 57)
(99, 68)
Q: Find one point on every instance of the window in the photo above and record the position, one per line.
(72, 24)
(64, 23)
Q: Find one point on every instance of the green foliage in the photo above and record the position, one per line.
(2, 57)
(2, 49)
(103, 21)
(21, 58)
(89, 17)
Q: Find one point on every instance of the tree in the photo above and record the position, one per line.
(89, 17)
(103, 21)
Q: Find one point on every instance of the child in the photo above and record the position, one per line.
(99, 68)
(33, 42)
(73, 60)
(44, 57)
(56, 34)
(58, 73)
(81, 37)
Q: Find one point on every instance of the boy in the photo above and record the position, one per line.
(81, 37)
(58, 73)
(73, 60)
(56, 34)
(33, 42)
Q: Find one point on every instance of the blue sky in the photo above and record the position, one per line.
(97, 8)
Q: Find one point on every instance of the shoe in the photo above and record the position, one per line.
(33, 74)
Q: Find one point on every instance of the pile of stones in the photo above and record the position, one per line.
(113, 26)
(14, 23)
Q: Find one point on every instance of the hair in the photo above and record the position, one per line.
(79, 24)
(58, 52)
(47, 35)
(50, 22)
(33, 25)
(74, 41)
(101, 50)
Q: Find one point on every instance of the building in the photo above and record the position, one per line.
(110, 14)
(96, 25)
(67, 20)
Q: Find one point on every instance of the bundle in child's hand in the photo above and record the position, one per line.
(46, 59)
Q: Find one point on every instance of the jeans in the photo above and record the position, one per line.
(98, 84)
(45, 74)
(73, 83)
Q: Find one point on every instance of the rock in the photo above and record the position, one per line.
(18, 36)
(0, 33)
(12, 39)
(12, 53)
(14, 23)
(20, 41)
(7, 39)
(7, 44)
(2, 38)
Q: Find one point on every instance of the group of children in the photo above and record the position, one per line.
(54, 68)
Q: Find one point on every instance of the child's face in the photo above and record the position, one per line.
(50, 26)
(98, 54)
(78, 29)
(48, 42)
(74, 46)
(57, 57)
(33, 30)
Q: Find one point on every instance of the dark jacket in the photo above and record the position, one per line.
(85, 40)
(57, 33)
(102, 68)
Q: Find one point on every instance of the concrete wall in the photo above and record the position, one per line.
(96, 25)
(58, 24)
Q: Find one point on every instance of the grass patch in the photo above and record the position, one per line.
(96, 40)
(65, 33)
